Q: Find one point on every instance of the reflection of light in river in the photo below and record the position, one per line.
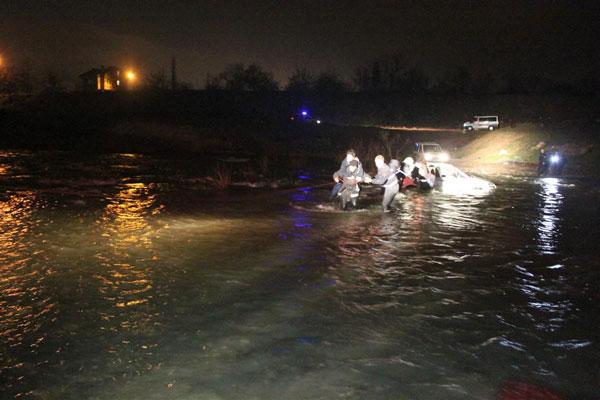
(129, 254)
(22, 301)
(547, 224)
(547, 308)
(459, 213)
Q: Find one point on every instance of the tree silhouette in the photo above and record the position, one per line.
(390, 74)
(301, 81)
(238, 77)
(330, 83)
(52, 83)
(158, 81)
(414, 81)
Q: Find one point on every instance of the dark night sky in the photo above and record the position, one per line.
(556, 39)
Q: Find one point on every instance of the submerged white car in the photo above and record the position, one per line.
(450, 179)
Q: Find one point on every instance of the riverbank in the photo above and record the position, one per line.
(250, 138)
(516, 150)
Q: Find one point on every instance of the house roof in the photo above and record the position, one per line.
(92, 73)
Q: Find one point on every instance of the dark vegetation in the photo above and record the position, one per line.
(241, 113)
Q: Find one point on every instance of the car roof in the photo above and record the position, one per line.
(485, 116)
(428, 143)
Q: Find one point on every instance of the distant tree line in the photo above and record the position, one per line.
(391, 74)
(23, 82)
(388, 74)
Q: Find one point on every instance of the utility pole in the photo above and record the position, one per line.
(173, 74)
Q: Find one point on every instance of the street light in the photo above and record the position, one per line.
(131, 76)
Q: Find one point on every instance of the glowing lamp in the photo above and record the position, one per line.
(554, 158)
(131, 76)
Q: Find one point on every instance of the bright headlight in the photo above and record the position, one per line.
(444, 157)
(554, 158)
(428, 157)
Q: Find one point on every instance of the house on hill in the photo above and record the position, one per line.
(102, 79)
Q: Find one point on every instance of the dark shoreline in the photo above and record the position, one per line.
(210, 125)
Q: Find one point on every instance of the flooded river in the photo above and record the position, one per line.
(120, 279)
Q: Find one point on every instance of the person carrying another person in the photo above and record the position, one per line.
(349, 180)
(350, 155)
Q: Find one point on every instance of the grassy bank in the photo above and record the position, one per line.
(517, 148)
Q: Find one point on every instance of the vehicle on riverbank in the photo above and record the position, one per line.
(430, 152)
(478, 122)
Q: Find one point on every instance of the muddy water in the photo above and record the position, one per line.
(119, 279)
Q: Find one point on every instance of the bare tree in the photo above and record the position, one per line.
(24, 81)
(238, 77)
(301, 81)
(158, 81)
(330, 83)
(52, 83)
(389, 74)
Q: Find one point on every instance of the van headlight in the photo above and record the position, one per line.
(428, 156)
(444, 157)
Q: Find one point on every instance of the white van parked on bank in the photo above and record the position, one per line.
(489, 122)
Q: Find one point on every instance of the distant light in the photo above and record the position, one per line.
(318, 121)
(503, 152)
(131, 75)
(304, 113)
(554, 158)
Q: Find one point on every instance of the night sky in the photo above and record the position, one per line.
(553, 39)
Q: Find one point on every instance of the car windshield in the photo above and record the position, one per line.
(432, 148)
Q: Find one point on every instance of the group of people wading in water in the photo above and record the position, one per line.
(392, 177)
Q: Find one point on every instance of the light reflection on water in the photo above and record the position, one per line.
(150, 292)
(27, 309)
(18, 281)
(125, 226)
(548, 228)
